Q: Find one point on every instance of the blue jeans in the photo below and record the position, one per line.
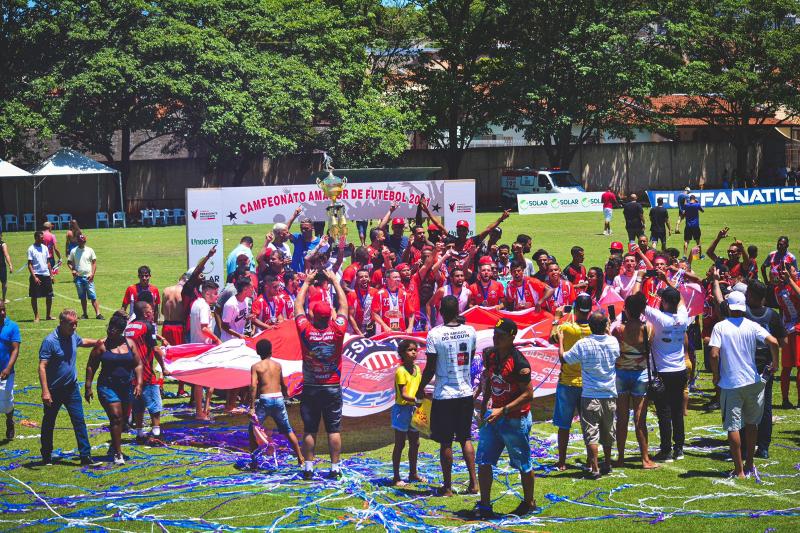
(276, 409)
(69, 397)
(509, 433)
(85, 288)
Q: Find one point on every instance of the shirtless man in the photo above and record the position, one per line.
(176, 312)
(266, 384)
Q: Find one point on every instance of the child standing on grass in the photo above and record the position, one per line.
(406, 382)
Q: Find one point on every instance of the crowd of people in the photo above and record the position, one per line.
(413, 277)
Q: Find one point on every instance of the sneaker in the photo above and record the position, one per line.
(480, 512)
(100, 317)
(84, 316)
(524, 509)
(119, 459)
(663, 456)
(47, 461)
(677, 453)
(713, 405)
(90, 461)
(334, 474)
(308, 475)
(762, 453)
(787, 405)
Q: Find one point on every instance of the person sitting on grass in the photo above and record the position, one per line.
(267, 391)
(406, 383)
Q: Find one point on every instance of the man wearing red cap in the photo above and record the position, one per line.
(321, 340)
(392, 308)
(486, 292)
(616, 249)
(464, 243)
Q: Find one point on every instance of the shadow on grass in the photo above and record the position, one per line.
(703, 473)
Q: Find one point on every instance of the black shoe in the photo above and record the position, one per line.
(10, 431)
(524, 509)
(605, 468)
(787, 405)
(762, 453)
(308, 475)
(100, 317)
(663, 456)
(481, 513)
(713, 405)
(677, 453)
(89, 461)
(47, 461)
(334, 474)
(84, 316)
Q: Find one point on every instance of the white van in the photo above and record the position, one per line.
(530, 181)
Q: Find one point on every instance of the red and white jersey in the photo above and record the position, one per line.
(464, 297)
(563, 294)
(486, 296)
(134, 293)
(361, 305)
(526, 294)
(413, 294)
(321, 293)
(270, 310)
(789, 302)
(395, 308)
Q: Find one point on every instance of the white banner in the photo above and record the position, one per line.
(210, 209)
(459, 198)
(546, 204)
(204, 230)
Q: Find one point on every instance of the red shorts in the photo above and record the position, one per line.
(173, 332)
(790, 353)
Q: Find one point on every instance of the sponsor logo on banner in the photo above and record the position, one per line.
(731, 197)
(535, 204)
(203, 214)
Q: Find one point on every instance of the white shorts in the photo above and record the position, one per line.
(607, 212)
(742, 406)
(7, 395)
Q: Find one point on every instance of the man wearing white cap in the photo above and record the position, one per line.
(733, 364)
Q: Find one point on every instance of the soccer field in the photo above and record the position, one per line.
(196, 481)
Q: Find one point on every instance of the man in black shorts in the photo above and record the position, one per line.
(450, 350)
(634, 218)
(321, 340)
(40, 284)
(659, 224)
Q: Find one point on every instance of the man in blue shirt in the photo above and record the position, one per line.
(303, 242)
(9, 350)
(681, 200)
(691, 212)
(245, 247)
(58, 377)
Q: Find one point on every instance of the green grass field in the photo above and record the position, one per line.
(193, 482)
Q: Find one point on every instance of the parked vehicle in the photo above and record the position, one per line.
(530, 181)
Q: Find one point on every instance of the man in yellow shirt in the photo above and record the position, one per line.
(570, 386)
(406, 383)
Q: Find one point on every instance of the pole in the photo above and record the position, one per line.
(34, 203)
(121, 201)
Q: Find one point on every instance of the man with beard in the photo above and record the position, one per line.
(270, 308)
(456, 288)
(485, 291)
(781, 256)
(392, 308)
(303, 242)
(523, 292)
(737, 260)
(359, 303)
(413, 252)
(563, 291)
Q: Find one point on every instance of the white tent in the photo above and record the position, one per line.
(66, 162)
(7, 170)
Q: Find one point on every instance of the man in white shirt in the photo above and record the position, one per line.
(83, 262)
(450, 350)
(597, 354)
(668, 350)
(236, 311)
(40, 284)
(281, 235)
(201, 331)
(733, 364)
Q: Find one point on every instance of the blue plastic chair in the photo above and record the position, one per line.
(166, 215)
(179, 215)
(117, 217)
(11, 220)
(65, 219)
(54, 220)
(100, 218)
(147, 216)
(158, 217)
(27, 220)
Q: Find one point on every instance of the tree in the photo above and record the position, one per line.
(572, 71)
(741, 60)
(452, 80)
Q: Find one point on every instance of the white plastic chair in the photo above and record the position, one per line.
(117, 217)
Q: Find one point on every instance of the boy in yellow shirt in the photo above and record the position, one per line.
(406, 383)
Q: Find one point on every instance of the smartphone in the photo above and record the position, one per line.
(567, 309)
(651, 272)
(622, 317)
(612, 312)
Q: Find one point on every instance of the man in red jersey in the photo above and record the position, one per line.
(392, 308)
(787, 294)
(321, 340)
(142, 291)
(563, 291)
(523, 292)
(609, 200)
(271, 307)
(359, 303)
(486, 292)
